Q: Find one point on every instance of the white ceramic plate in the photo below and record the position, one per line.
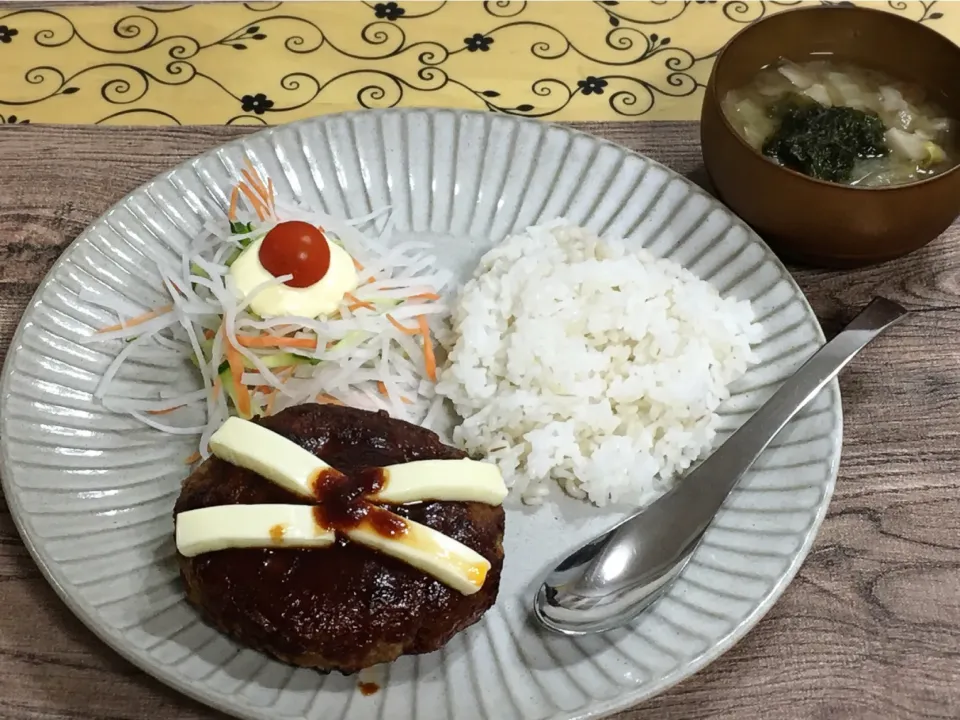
(92, 492)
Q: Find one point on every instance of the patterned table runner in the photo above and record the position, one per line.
(264, 63)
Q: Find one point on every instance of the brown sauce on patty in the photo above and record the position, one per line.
(347, 606)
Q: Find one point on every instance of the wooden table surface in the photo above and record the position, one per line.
(869, 629)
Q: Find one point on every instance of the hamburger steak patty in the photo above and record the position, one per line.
(346, 607)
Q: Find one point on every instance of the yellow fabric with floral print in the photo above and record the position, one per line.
(268, 63)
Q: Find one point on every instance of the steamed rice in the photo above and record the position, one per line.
(573, 360)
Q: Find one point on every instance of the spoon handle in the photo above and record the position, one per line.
(701, 493)
(723, 469)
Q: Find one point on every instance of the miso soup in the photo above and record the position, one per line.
(842, 123)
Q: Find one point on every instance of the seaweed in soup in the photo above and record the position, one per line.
(825, 142)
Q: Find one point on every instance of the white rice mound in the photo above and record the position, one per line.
(574, 360)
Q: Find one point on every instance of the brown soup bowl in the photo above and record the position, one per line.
(811, 221)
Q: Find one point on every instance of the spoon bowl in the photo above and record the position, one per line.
(608, 581)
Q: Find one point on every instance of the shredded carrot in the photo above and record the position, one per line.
(192, 459)
(357, 264)
(163, 412)
(425, 296)
(371, 279)
(209, 334)
(401, 328)
(271, 399)
(356, 302)
(265, 191)
(383, 391)
(235, 360)
(257, 203)
(257, 180)
(263, 341)
(257, 185)
(138, 319)
(428, 357)
(327, 398)
(234, 199)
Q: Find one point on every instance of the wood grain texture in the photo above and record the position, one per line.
(870, 629)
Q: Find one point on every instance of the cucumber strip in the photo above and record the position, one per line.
(351, 339)
(226, 380)
(278, 360)
(198, 271)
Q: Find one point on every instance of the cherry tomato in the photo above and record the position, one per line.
(296, 248)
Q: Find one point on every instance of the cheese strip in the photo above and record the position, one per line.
(244, 526)
(450, 480)
(441, 557)
(296, 526)
(251, 446)
(254, 447)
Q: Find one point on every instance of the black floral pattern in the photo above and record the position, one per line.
(592, 85)
(13, 120)
(250, 33)
(382, 64)
(388, 11)
(258, 103)
(478, 41)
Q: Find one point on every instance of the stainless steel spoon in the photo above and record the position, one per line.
(610, 580)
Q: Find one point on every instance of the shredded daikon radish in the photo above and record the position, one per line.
(168, 403)
(109, 301)
(357, 356)
(114, 366)
(172, 429)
